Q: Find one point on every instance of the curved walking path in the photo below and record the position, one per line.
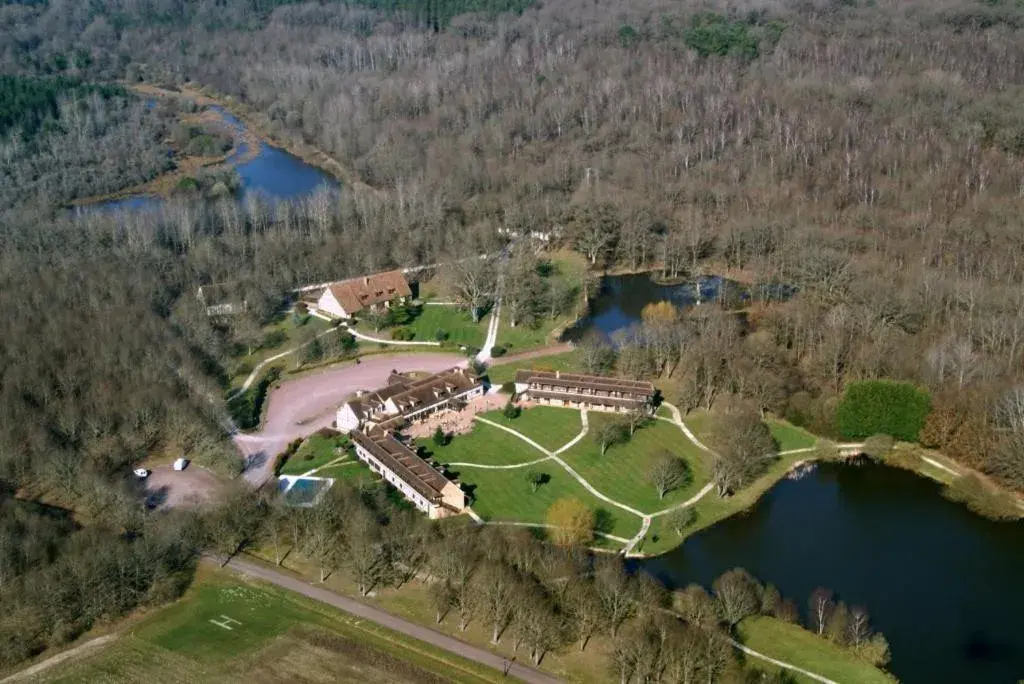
(645, 518)
(392, 622)
(782, 663)
(492, 335)
(568, 468)
(380, 340)
(483, 466)
(251, 378)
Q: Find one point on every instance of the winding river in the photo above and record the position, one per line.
(944, 585)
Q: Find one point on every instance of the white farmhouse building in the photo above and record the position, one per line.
(346, 298)
(593, 392)
(427, 489)
(410, 399)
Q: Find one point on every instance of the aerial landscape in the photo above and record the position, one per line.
(512, 340)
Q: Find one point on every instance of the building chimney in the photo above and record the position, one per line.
(558, 374)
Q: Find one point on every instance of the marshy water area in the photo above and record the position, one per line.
(942, 583)
(618, 306)
(270, 172)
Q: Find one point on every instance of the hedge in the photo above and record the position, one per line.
(883, 407)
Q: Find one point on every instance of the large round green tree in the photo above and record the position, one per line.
(883, 407)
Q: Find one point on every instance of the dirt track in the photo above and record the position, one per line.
(300, 407)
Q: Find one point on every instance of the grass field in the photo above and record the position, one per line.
(315, 452)
(453, 320)
(354, 472)
(550, 427)
(790, 436)
(506, 495)
(523, 337)
(621, 473)
(227, 629)
(500, 373)
(485, 445)
(796, 645)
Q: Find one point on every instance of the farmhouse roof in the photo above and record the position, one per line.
(577, 381)
(434, 388)
(355, 294)
(403, 462)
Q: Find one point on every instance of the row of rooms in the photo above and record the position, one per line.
(408, 492)
(582, 391)
(577, 404)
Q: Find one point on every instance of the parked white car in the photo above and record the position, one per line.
(181, 464)
(141, 473)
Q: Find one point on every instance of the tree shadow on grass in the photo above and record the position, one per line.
(604, 521)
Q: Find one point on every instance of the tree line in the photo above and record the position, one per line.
(536, 596)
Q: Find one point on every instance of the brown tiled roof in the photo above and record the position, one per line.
(571, 381)
(434, 388)
(355, 294)
(409, 394)
(403, 462)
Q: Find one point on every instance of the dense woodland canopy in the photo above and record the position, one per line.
(867, 154)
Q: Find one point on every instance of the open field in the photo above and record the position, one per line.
(793, 644)
(485, 445)
(456, 322)
(500, 373)
(453, 320)
(506, 495)
(789, 436)
(315, 452)
(229, 629)
(524, 337)
(621, 473)
(412, 602)
(550, 427)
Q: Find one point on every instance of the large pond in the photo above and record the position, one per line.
(618, 305)
(272, 172)
(945, 586)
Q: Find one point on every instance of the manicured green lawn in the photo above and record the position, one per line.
(790, 436)
(315, 452)
(453, 320)
(353, 472)
(550, 427)
(486, 445)
(621, 473)
(525, 337)
(506, 495)
(793, 644)
(500, 373)
(264, 634)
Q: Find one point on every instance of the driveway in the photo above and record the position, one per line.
(300, 407)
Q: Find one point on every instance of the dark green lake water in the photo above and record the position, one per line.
(945, 586)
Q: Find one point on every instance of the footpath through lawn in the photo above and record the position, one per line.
(622, 472)
(794, 644)
(552, 428)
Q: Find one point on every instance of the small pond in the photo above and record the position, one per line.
(943, 584)
(617, 307)
(273, 173)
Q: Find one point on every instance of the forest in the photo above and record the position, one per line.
(866, 155)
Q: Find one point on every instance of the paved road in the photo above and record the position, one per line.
(300, 407)
(385, 619)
